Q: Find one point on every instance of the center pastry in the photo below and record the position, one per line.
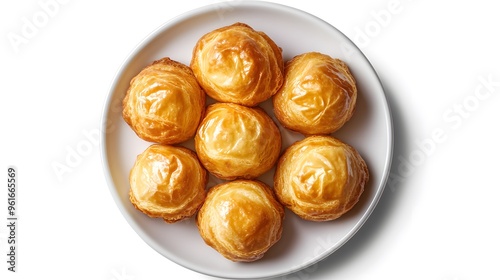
(235, 141)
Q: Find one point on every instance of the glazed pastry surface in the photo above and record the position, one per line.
(164, 103)
(167, 182)
(318, 96)
(320, 178)
(235, 141)
(241, 220)
(238, 64)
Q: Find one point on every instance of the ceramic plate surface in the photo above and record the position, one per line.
(303, 243)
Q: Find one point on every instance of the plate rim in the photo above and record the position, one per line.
(105, 113)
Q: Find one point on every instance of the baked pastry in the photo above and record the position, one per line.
(237, 64)
(167, 182)
(164, 103)
(241, 220)
(318, 95)
(320, 178)
(235, 141)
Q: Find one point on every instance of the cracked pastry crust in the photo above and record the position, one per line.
(320, 178)
(318, 95)
(235, 141)
(241, 220)
(167, 182)
(164, 103)
(238, 64)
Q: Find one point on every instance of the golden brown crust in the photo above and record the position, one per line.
(237, 64)
(167, 182)
(164, 103)
(241, 220)
(235, 141)
(318, 95)
(320, 178)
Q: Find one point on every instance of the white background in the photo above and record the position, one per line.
(438, 218)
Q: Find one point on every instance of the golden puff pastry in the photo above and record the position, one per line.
(320, 178)
(235, 141)
(164, 103)
(168, 182)
(238, 64)
(241, 220)
(318, 95)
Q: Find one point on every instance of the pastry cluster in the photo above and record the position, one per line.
(319, 178)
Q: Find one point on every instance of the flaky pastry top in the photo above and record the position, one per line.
(164, 103)
(320, 178)
(235, 141)
(241, 219)
(318, 96)
(238, 64)
(167, 182)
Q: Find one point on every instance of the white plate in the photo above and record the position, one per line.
(303, 243)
